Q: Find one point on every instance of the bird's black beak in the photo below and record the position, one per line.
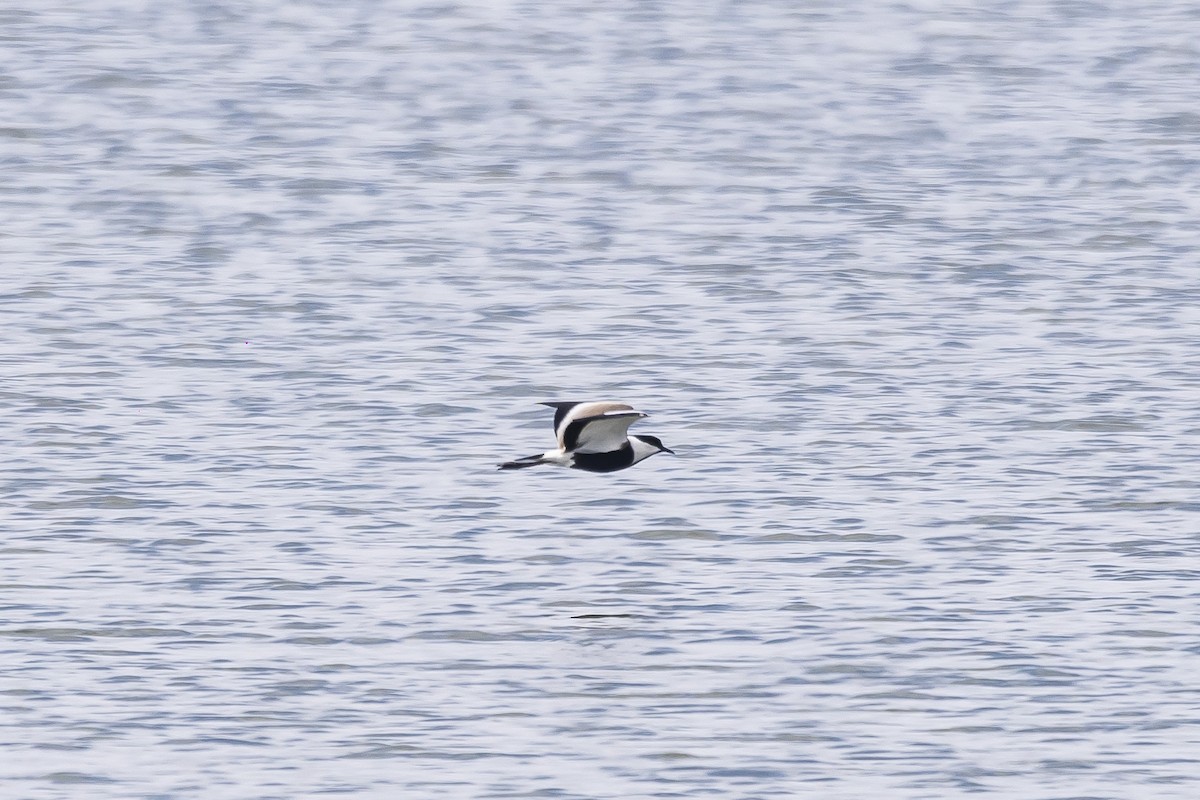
(668, 450)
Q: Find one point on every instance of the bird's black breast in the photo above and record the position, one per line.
(611, 461)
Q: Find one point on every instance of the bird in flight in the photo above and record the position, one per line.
(594, 437)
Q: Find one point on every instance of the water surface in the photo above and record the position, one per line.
(910, 288)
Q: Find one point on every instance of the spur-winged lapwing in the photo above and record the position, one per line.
(594, 437)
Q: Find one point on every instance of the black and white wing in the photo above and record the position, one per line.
(568, 414)
(561, 410)
(601, 434)
(599, 427)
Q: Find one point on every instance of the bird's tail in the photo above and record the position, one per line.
(527, 461)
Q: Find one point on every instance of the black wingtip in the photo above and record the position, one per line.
(519, 464)
(561, 409)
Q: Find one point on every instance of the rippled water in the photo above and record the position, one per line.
(912, 289)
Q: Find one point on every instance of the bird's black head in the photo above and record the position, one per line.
(656, 442)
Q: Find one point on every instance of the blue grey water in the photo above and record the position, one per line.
(913, 289)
